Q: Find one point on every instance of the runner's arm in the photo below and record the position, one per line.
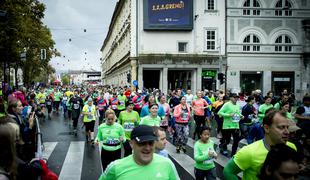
(231, 170)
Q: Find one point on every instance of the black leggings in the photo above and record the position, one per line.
(200, 121)
(227, 133)
(127, 148)
(108, 156)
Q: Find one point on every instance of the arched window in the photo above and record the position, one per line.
(283, 8)
(283, 44)
(251, 43)
(251, 5)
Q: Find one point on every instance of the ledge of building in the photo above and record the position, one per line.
(178, 58)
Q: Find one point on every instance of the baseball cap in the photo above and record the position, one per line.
(89, 99)
(143, 133)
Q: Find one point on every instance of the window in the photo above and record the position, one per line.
(210, 40)
(210, 5)
(251, 6)
(182, 46)
(251, 43)
(283, 8)
(283, 44)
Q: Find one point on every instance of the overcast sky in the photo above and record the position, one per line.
(67, 20)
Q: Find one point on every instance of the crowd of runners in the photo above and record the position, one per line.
(276, 129)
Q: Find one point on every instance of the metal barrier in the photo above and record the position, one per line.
(40, 147)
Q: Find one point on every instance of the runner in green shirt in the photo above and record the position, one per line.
(89, 112)
(128, 119)
(264, 107)
(152, 119)
(111, 135)
(204, 155)
(57, 98)
(250, 158)
(122, 103)
(143, 163)
(232, 115)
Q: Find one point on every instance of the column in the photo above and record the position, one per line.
(134, 70)
(161, 82)
(198, 79)
(266, 81)
(165, 80)
(140, 77)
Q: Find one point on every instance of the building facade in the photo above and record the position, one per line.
(266, 45)
(165, 46)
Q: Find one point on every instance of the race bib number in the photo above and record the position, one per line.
(140, 104)
(235, 118)
(114, 106)
(101, 106)
(76, 106)
(208, 161)
(184, 117)
(49, 103)
(90, 117)
(128, 126)
(122, 103)
(112, 141)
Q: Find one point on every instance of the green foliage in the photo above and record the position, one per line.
(24, 31)
(65, 79)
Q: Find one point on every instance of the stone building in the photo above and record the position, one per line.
(162, 45)
(266, 45)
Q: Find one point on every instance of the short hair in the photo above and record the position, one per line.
(278, 154)
(108, 112)
(152, 104)
(157, 129)
(269, 115)
(306, 98)
(203, 128)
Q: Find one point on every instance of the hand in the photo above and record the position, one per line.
(31, 120)
(211, 153)
(121, 138)
(231, 115)
(97, 143)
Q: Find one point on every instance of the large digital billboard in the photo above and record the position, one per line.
(168, 14)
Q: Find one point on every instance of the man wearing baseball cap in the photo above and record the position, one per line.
(143, 163)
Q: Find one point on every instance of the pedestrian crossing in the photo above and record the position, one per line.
(77, 152)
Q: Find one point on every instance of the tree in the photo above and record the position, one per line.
(24, 31)
(65, 79)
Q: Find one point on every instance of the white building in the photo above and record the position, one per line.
(165, 46)
(84, 77)
(265, 45)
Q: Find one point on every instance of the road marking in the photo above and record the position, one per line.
(182, 159)
(48, 149)
(72, 167)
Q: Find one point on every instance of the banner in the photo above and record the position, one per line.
(168, 14)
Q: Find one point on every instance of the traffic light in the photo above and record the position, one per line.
(221, 77)
(128, 78)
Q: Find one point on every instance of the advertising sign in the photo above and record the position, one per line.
(168, 14)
